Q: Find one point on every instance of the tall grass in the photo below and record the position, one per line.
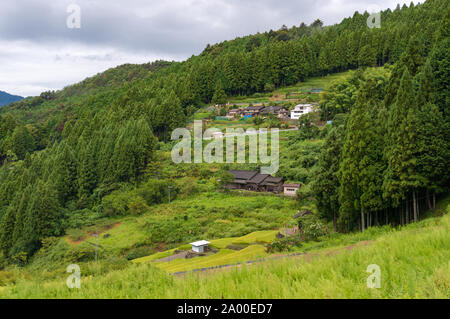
(414, 263)
(223, 257)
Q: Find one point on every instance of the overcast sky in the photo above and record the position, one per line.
(38, 52)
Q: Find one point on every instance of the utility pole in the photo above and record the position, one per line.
(96, 245)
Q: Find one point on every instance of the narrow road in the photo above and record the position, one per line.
(276, 257)
(250, 262)
(225, 135)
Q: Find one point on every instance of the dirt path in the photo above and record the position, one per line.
(173, 257)
(306, 256)
(258, 132)
(90, 235)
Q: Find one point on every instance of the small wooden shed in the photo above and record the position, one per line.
(291, 189)
(200, 246)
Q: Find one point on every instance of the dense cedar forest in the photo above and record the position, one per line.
(384, 159)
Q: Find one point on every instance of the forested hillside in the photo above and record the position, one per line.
(65, 151)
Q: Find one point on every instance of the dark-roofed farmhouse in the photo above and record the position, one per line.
(252, 111)
(254, 181)
(278, 111)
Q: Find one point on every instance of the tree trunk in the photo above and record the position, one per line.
(335, 222)
(376, 218)
(401, 214)
(362, 219)
(407, 211)
(418, 207)
(387, 218)
(415, 206)
(429, 200)
(367, 220)
(434, 201)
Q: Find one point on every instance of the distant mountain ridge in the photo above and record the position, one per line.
(6, 98)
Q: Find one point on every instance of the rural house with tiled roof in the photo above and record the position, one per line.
(255, 181)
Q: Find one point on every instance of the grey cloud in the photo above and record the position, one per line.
(34, 37)
(175, 27)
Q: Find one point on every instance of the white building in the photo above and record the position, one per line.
(300, 110)
(200, 246)
(217, 135)
(291, 189)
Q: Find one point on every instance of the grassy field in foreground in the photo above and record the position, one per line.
(414, 263)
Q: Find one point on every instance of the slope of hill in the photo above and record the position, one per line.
(98, 152)
(6, 98)
(106, 85)
(419, 270)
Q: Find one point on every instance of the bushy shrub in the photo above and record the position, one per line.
(115, 204)
(284, 244)
(80, 218)
(307, 128)
(8, 278)
(137, 205)
(269, 87)
(237, 211)
(205, 173)
(308, 161)
(51, 255)
(156, 191)
(80, 253)
(258, 120)
(304, 194)
(302, 175)
(138, 253)
(20, 258)
(275, 205)
(312, 228)
(325, 130)
(272, 122)
(3, 262)
(187, 186)
(121, 203)
(76, 234)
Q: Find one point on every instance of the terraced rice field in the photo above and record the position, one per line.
(225, 256)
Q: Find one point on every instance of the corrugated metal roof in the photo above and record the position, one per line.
(273, 109)
(272, 179)
(254, 108)
(292, 185)
(200, 243)
(258, 178)
(243, 174)
(254, 177)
